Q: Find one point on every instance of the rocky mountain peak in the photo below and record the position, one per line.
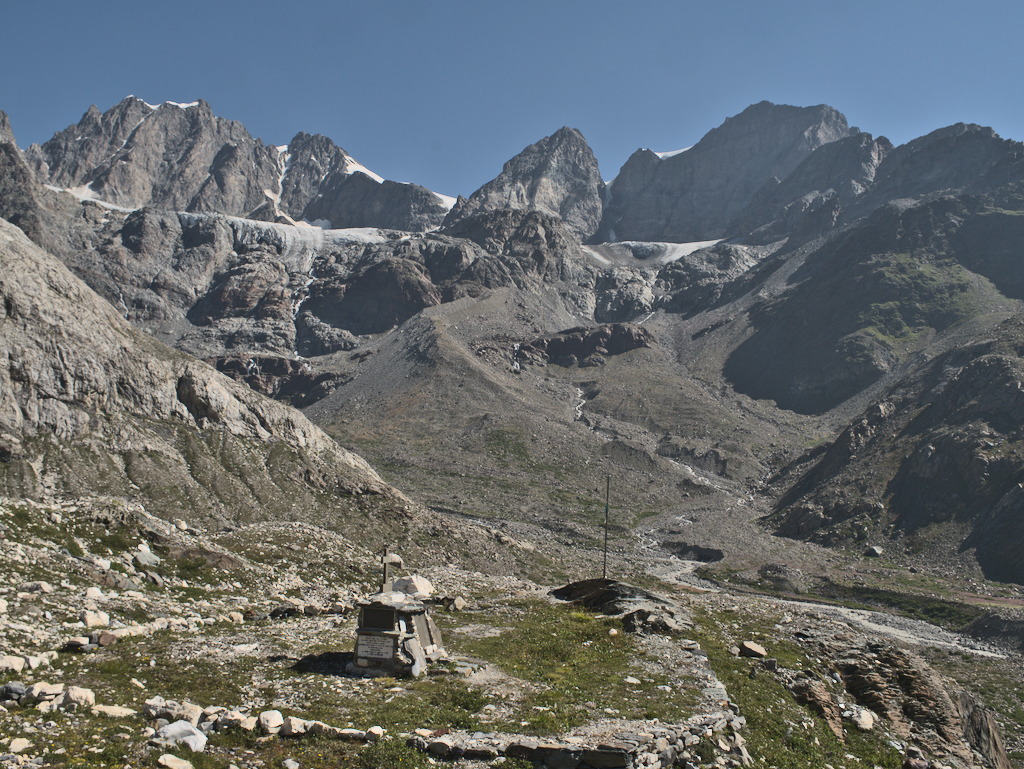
(558, 175)
(694, 195)
(6, 134)
(309, 160)
(182, 157)
(173, 156)
(960, 156)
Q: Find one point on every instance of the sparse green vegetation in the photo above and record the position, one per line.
(573, 667)
(782, 733)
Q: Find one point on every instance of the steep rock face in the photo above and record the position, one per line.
(558, 175)
(87, 403)
(357, 200)
(536, 243)
(184, 158)
(72, 155)
(323, 182)
(961, 156)
(937, 464)
(6, 134)
(695, 195)
(840, 171)
(19, 203)
(47, 218)
(177, 157)
(309, 160)
(861, 303)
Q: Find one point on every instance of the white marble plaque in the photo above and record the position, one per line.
(375, 647)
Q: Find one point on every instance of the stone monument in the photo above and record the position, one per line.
(395, 635)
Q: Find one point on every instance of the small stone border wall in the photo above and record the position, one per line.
(656, 747)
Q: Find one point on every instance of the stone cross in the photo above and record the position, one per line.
(389, 560)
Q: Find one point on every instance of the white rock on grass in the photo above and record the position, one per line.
(182, 733)
(173, 762)
(3, 606)
(114, 711)
(36, 587)
(187, 711)
(94, 594)
(41, 691)
(94, 618)
(751, 649)
(11, 664)
(271, 721)
(229, 719)
(293, 727)
(19, 745)
(862, 718)
(76, 697)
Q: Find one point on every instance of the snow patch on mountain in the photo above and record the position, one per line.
(447, 200)
(673, 153)
(352, 165)
(85, 193)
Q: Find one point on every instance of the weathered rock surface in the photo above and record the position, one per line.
(944, 452)
(585, 346)
(184, 158)
(175, 157)
(74, 371)
(558, 175)
(830, 180)
(695, 195)
(357, 200)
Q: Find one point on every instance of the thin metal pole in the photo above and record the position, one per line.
(607, 497)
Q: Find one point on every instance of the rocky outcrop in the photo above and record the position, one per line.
(88, 402)
(19, 203)
(357, 200)
(585, 346)
(917, 703)
(175, 157)
(179, 157)
(6, 134)
(296, 382)
(533, 243)
(310, 159)
(695, 195)
(835, 175)
(959, 157)
(323, 182)
(942, 455)
(558, 175)
(821, 341)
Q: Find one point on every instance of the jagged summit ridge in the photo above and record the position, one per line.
(694, 195)
(558, 175)
(181, 157)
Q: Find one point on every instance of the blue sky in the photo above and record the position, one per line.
(442, 93)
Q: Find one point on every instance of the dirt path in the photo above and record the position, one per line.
(898, 628)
